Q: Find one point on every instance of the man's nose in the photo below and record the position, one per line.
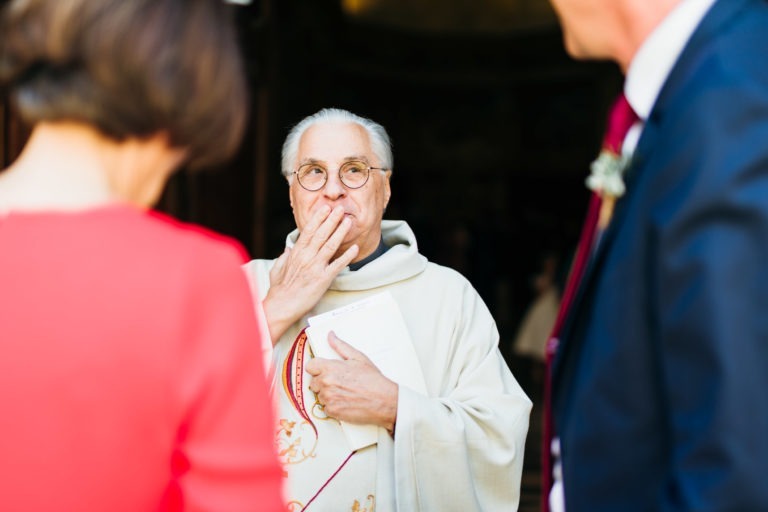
(334, 188)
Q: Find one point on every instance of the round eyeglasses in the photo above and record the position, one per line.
(353, 174)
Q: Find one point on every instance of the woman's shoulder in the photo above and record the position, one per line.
(152, 239)
(191, 238)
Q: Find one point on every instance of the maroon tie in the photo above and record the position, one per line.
(620, 120)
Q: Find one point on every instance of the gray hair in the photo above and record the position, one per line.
(380, 143)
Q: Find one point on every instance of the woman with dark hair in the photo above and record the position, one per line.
(130, 367)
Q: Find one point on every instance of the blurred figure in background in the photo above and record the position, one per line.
(530, 341)
(130, 371)
(536, 324)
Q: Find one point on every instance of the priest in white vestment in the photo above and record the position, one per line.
(457, 442)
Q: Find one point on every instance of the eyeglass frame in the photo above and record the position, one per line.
(367, 167)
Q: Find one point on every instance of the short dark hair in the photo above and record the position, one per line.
(129, 68)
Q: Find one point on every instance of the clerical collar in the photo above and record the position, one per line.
(381, 249)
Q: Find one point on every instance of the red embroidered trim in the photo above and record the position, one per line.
(297, 372)
(328, 481)
(296, 394)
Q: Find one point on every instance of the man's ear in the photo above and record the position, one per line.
(290, 191)
(387, 189)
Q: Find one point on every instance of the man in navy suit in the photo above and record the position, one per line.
(661, 371)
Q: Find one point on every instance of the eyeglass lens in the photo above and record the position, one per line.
(313, 176)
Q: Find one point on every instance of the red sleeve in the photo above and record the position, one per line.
(225, 458)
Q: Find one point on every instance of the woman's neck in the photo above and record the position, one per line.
(72, 166)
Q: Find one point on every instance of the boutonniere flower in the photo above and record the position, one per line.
(607, 179)
(607, 174)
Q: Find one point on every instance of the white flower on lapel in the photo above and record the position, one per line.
(607, 174)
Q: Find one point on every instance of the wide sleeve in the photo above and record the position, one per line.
(225, 457)
(257, 275)
(711, 286)
(463, 449)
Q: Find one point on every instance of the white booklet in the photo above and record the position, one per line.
(375, 327)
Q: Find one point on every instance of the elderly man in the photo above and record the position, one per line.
(457, 446)
(666, 341)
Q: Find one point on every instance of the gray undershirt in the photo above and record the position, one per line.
(381, 249)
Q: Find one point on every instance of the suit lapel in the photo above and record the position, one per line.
(715, 20)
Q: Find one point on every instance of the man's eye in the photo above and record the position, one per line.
(313, 171)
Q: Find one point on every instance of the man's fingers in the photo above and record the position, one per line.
(317, 218)
(342, 261)
(335, 239)
(328, 228)
(312, 369)
(277, 268)
(344, 349)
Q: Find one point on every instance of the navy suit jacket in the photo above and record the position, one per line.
(660, 381)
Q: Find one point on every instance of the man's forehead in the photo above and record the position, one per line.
(337, 142)
(349, 158)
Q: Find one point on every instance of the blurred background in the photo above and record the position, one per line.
(493, 129)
